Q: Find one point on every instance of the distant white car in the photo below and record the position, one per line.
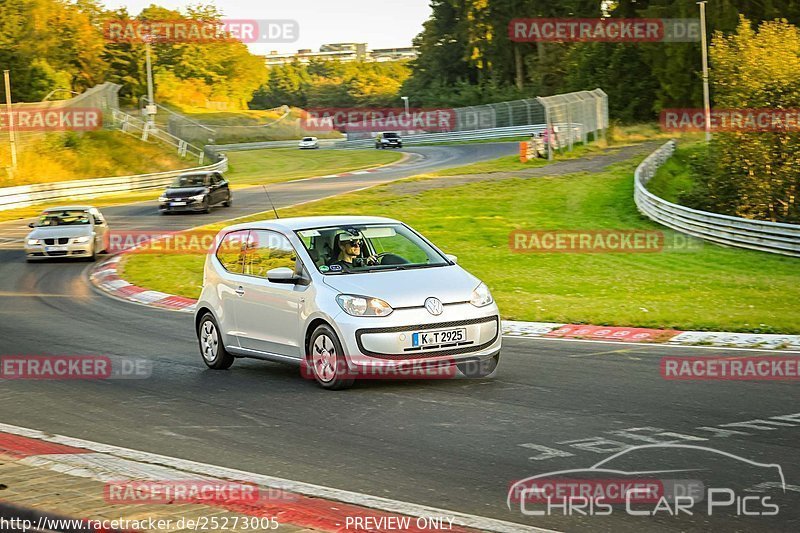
(69, 231)
(309, 143)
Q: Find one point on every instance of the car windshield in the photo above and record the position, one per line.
(196, 180)
(390, 136)
(350, 249)
(67, 217)
(306, 139)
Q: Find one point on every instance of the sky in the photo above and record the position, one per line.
(379, 23)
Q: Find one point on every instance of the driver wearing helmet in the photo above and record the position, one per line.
(349, 245)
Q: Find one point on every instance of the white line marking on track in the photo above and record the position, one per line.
(157, 464)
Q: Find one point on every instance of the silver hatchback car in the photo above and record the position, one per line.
(344, 297)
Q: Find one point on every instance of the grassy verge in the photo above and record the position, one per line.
(673, 178)
(70, 156)
(511, 163)
(254, 167)
(705, 288)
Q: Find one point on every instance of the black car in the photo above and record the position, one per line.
(198, 191)
(388, 139)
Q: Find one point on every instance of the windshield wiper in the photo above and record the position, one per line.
(382, 269)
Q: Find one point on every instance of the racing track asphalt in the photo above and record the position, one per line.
(455, 444)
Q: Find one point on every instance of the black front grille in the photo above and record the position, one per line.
(60, 240)
(63, 240)
(57, 253)
(50, 241)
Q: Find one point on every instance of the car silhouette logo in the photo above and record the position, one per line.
(434, 306)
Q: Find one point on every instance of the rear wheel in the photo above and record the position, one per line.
(211, 348)
(326, 359)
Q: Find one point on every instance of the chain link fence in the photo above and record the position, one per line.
(565, 119)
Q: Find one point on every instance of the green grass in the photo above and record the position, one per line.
(254, 167)
(512, 163)
(673, 178)
(705, 288)
(95, 154)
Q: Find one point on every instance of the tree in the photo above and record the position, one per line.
(754, 174)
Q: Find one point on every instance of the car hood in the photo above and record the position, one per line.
(408, 288)
(54, 232)
(184, 192)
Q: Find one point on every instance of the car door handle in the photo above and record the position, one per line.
(240, 291)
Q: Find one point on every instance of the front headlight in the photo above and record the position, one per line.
(481, 297)
(363, 305)
(81, 240)
(34, 242)
(162, 198)
(198, 198)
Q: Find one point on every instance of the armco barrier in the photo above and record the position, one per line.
(453, 136)
(26, 195)
(760, 235)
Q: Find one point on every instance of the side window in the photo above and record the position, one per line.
(266, 250)
(217, 177)
(229, 251)
(98, 218)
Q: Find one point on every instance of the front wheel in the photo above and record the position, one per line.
(326, 359)
(211, 348)
(229, 201)
(206, 205)
(479, 369)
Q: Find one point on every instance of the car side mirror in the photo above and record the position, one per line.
(282, 275)
(452, 258)
(32, 225)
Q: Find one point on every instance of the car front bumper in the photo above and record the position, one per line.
(387, 342)
(41, 251)
(191, 205)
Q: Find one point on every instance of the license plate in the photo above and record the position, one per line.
(175, 204)
(445, 336)
(56, 248)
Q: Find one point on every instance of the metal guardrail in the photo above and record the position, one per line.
(562, 138)
(294, 143)
(27, 195)
(773, 237)
(452, 136)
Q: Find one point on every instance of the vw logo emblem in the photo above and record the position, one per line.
(434, 306)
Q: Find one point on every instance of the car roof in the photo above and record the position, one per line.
(287, 225)
(69, 208)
